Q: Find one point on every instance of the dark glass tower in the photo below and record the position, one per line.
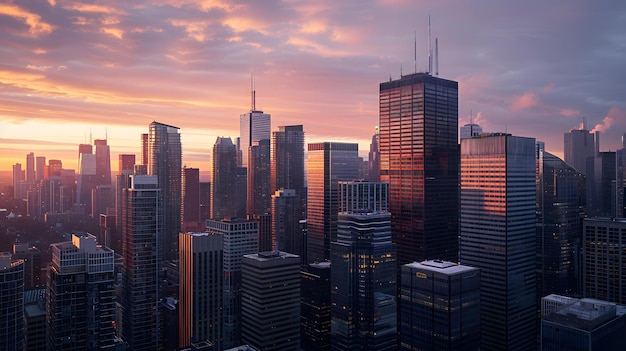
(258, 178)
(223, 179)
(328, 163)
(287, 161)
(165, 161)
(190, 212)
(11, 303)
(419, 158)
(315, 307)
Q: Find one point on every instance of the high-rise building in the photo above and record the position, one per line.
(287, 161)
(40, 165)
(560, 200)
(126, 162)
(201, 293)
(30, 168)
(18, 178)
(253, 126)
(87, 178)
(270, 311)
(141, 228)
(286, 232)
(373, 163)
(498, 235)
(604, 259)
(315, 307)
(601, 181)
(190, 212)
(55, 168)
(35, 319)
(578, 146)
(223, 179)
(80, 298)
(439, 306)
(469, 130)
(620, 181)
(240, 237)
(102, 198)
(11, 303)
(363, 283)
(328, 163)
(205, 201)
(258, 178)
(266, 242)
(144, 148)
(103, 162)
(165, 161)
(32, 263)
(419, 158)
(582, 325)
(355, 196)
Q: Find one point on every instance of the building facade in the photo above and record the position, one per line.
(190, 211)
(258, 200)
(286, 230)
(315, 307)
(223, 179)
(11, 303)
(253, 126)
(287, 161)
(419, 158)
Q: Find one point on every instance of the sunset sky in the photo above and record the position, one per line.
(71, 69)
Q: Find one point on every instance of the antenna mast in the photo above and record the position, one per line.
(414, 51)
(430, 50)
(436, 57)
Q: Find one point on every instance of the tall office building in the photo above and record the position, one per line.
(80, 298)
(223, 178)
(32, 264)
(165, 161)
(258, 178)
(18, 178)
(419, 158)
(205, 201)
(315, 307)
(560, 207)
(601, 182)
(253, 126)
(240, 237)
(190, 212)
(620, 180)
(11, 303)
(200, 296)
(578, 146)
(35, 319)
(87, 177)
(126, 162)
(498, 235)
(40, 165)
(30, 168)
(141, 228)
(439, 306)
(144, 148)
(270, 311)
(363, 283)
(286, 232)
(355, 196)
(469, 130)
(328, 163)
(287, 161)
(126, 167)
(103, 162)
(55, 168)
(604, 259)
(373, 163)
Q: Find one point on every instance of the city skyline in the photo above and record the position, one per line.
(75, 72)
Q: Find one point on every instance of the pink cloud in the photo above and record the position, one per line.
(615, 114)
(525, 101)
(548, 88)
(569, 112)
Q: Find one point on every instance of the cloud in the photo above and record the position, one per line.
(525, 101)
(548, 88)
(91, 8)
(34, 22)
(615, 114)
(569, 112)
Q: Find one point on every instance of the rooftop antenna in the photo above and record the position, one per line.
(400, 70)
(90, 138)
(414, 51)
(252, 93)
(584, 123)
(430, 50)
(436, 57)
(106, 133)
(471, 116)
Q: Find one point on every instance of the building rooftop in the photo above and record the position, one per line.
(440, 266)
(586, 314)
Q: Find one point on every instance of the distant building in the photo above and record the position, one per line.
(439, 306)
(126, 162)
(604, 259)
(601, 181)
(40, 167)
(223, 179)
(287, 162)
(253, 126)
(11, 303)
(32, 263)
(80, 298)
(190, 212)
(258, 200)
(373, 162)
(469, 130)
(270, 312)
(315, 307)
(582, 325)
(103, 162)
(286, 213)
(578, 146)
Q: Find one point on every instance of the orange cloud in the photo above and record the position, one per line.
(316, 48)
(194, 29)
(36, 25)
(93, 8)
(243, 24)
(116, 32)
(525, 101)
(615, 114)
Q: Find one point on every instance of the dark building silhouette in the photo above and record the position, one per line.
(32, 264)
(11, 303)
(373, 163)
(103, 162)
(205, 201)
(165, 162)
(223, 179)
(287, 161)
(601, 179)
(419, 158)
(190, 212)
(258, 178)
(315, 307)
(578, 146)
(328, 163)
(286, 229)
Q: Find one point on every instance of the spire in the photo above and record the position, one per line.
(430, 50)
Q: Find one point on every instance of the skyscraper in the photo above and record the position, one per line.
(30, 168)
(286, 231)
(103, 162)
(604, 259)
(363, 283)
(253, 126)
(18, 178)
(190, 213)
(240, 237)
(287, 161)
(498, 235)
(201, 293)
(439, 306)
(223, 179)
(141, 229)
(373, 163)
(578, 146)
(470, 130)
(87, 179)
(126, 162)
(419, 158)
(165, 161)
(11, 303)
(258, 177)
(560, 200)
(355, 196)
(40, 165)
(328, 163)
(80, 297)
(270, 311)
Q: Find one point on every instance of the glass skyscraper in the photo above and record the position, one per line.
(419, 158)
(498, 235)
(223, 179)
(253, 126)
(11, 303)
(287, 161)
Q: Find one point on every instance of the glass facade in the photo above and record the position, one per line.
(11, 303)
(419, 158)
(258, 177)
(327, 164)
(315, 307)
(253, 126)
(498, 235)
(287, 162)
(223, 179)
